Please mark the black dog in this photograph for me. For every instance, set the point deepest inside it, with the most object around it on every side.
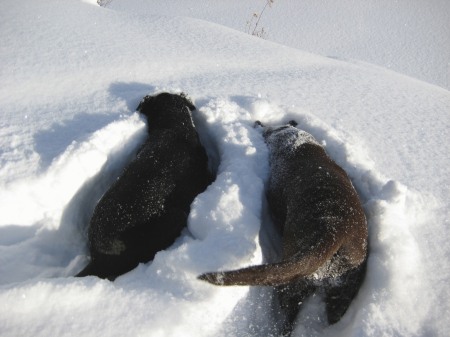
(145, 210)
(323, 227)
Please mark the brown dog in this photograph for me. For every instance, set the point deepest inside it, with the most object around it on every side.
(324, 229)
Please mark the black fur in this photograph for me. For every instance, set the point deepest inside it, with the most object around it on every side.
(145, 210)
(323, 226)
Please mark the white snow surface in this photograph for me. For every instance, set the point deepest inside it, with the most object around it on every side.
(72, 74)
(408, 36)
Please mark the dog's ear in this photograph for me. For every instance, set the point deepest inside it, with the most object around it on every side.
(188, 101)
(146, 100)
(293, 123)
(258, 124)
(191, 106)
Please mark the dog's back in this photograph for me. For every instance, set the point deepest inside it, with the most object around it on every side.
(145, 210)
(323, 227)
(312, 198)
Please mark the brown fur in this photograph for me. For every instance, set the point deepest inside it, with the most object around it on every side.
(323, 226)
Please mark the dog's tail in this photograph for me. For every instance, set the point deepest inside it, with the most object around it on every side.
(297, 267)
(266, 274)
(269, 274)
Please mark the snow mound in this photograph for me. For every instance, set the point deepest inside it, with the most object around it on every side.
(42, 247)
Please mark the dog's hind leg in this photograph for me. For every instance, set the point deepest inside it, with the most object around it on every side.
(291, 298)
(338, 297)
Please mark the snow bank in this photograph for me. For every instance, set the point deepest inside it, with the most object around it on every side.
(50, 211)
(224, 233)
(409, 37)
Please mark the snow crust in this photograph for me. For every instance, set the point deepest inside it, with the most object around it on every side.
(72, 75)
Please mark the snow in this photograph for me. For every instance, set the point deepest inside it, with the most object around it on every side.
(410, 37)
(72, 75)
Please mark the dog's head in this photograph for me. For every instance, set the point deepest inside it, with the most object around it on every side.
(166, 110)
(269, 130)
(285, 138)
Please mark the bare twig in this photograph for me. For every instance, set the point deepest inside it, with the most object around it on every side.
(260, 33)
(268, 3)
